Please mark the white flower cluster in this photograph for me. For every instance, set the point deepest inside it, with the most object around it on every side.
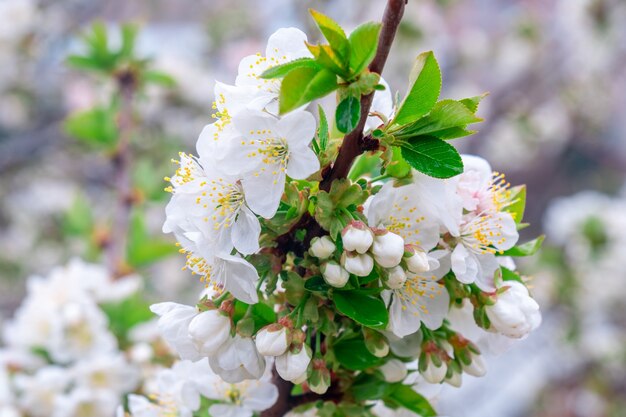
(60, 358)
(243, 160)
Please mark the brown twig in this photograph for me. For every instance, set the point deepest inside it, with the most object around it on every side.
(354, 144)
(116, 244)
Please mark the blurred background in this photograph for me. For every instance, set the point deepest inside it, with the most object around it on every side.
(555, 120)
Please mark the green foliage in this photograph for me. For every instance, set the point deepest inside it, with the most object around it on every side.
(526, 249)
(126, 314)
(363, 42)
(348, 114)
(322, 131)
(333, 33)
(78, 220)
(424, 88)
(261, 313)
(280, 71)
(517, 203)
(294, 287)
(448, 119)
(509, 275)
(433, 157)
(353, 355)
(365, 309)
(305, 84)
(405, 396)
(143, 248)
(97, 126)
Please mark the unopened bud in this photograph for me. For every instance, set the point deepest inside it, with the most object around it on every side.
(209, 330)
(291, 366)
(334, 274)
(319, 379)
(416, 260)
(272, 340)
(322, 247)
(393, 370)
(396, 278)
(388, 248)
(356, 236)
(357, 264)
(376, 343)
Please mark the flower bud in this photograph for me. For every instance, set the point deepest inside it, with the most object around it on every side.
(334, 274)
(388, 248)
(319, 380)
(416, 260)
(455, 379)
(434, 373)
(357, 264)
(376, 343)
(322, 247)
(476, 367)
(209, 330)
(396, 278)
(356, 236)
(272, 340)
(515, 313)
(290, 366)
(393, 370)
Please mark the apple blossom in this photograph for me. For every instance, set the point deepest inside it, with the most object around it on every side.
(356, 236)
(358, 264)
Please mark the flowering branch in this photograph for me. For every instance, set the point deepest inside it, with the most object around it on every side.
(121, 160)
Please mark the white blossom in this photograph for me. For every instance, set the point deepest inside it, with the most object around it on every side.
(334, 274)
(358, 264)
(322, 247)
(238, 359)
(393, 370)
(209, 330)
(356, 236)
(290, 366)
(272, 340)
(515, 313)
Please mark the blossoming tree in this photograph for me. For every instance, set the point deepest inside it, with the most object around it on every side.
(349, 260)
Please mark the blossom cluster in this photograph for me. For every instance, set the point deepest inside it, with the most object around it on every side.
(60, 358)
(401, 271)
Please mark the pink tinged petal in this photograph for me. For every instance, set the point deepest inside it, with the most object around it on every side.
(472, 163)
(261, 396)
(302, 165)
(246, 231)
(263, 192)
(298, 128)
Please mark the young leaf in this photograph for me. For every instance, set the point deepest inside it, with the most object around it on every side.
(363, 44)
(303, 85)
(364, 309)
(518, 203)
(322, 131)
(472, 102)
(327, 58)
(279, 71)
(406, 397)
(347, 114)
(333, 33)
(444, 116)
(95, 126)
(433, 157)
(424, 89)
(526, 249)
(353, 355)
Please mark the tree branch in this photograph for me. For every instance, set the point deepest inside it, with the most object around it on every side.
(116, 244)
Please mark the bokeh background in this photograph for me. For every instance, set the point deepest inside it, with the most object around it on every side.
(555, 120)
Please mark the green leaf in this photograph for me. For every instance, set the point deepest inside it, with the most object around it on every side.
(322, 130)
(353, 355)
(433, 157)
(316, 284)
(424, 89)
(333, 33)
(517, 203)
(365, 309)
(158, 78)
(129, 35)
(397, 166)
(142, 248)
(405, 396)
(509, 275)
(279, 71)
(78, 220)
(369, 387)
(347, 114)
(526, 249)
(327, 58)
(472, 102)
(303, 85)
(124, 315)
(294, 287)
(261, 313)
(363, 44)
(96, 126)
(445, 115)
